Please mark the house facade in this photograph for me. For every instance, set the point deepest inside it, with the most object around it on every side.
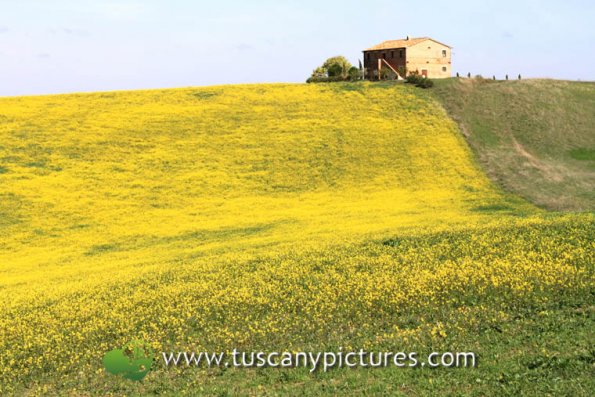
(425, 55)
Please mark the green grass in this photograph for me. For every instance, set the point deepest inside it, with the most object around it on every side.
(534, 137)
(583, 154)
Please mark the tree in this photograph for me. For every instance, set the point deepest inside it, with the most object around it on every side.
(354, 73)
(333, 69)
(339, 64)
(319, 72)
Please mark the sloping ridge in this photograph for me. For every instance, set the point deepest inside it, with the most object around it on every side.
(536, 138)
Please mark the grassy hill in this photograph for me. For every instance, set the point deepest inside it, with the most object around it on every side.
(276, 218)
(534, 137)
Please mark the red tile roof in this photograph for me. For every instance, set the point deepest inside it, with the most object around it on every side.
(402, 43)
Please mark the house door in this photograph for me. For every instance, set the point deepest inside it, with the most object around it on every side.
(424, 72)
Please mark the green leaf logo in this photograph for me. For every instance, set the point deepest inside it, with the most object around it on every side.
(132, 361)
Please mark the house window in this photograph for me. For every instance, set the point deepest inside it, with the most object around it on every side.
(444, 53)
(400, 53)
(392, 54)
(368, 56)
(444, 68)
(384, 55)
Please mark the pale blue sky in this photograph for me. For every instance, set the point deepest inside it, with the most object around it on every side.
(65, 46)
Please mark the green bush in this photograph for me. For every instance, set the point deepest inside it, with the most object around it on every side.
(402, 71)
(335, 70)
(324, 79)
(413, 78)
(419, 80)
(425, 83)
(319, 72)
(354, 73)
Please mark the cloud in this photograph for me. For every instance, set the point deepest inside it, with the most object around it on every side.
(43, 55)
(243, 47)
(75, 32)
(122, 10)
(69, 31)
(3, 29)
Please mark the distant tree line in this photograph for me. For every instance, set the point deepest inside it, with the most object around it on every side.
(479, 76)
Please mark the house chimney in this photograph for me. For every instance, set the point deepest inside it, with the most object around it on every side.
(407, 38)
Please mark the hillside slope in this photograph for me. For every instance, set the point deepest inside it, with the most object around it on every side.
(275, 218)
(117, 172)
(535, 138)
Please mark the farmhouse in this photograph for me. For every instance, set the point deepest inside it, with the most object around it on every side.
(425, 55)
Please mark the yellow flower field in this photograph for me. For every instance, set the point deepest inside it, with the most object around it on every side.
(259, 217)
